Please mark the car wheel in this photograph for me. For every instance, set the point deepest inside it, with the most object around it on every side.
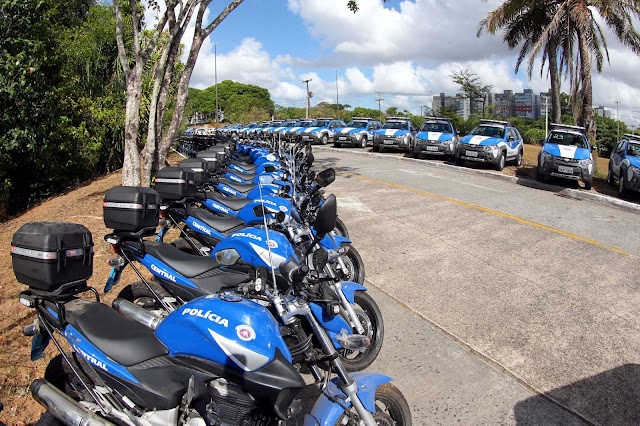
(539, 175)
(459, 162)
(518, 160)
(622, 190)
(381, 148)
(376, 148)
(610, 178)
(363, 142)
(588, 184)
(337, 145)
(324, 140)
(416, 154)
(501, 162)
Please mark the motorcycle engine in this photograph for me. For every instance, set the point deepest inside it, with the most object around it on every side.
(229, 405)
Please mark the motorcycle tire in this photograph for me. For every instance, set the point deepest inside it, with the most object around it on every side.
(138, 294)
(371, 318)
(392, 407)
(354, 264)
(341, 228)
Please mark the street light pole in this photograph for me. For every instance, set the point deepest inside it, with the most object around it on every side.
(308, 98)
(379, 99)
(215, 76)
(546, 116)
(337, 89)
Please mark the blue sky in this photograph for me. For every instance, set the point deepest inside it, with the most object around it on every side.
(405, 49)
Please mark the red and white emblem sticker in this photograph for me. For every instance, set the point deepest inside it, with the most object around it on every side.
(273, 244)
(245, 332)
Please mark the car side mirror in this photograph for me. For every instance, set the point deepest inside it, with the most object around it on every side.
(594, 147)
(510, 138)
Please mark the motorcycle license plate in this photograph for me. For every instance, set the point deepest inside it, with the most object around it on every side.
(563, 169)
(342, 138)
(388, 142)
(432, 148)
(471, 153)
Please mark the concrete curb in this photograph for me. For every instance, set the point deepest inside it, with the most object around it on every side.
(575, 194)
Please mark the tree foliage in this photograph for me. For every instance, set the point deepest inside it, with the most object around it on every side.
(60, 98)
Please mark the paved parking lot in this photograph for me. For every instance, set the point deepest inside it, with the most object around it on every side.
(538, 290)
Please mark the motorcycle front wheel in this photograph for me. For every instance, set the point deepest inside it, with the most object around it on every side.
(354, 266)
(371, 319)
(392, 408)
(341, 228)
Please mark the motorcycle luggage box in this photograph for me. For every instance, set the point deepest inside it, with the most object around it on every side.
(211, 158)
(46, 255)
(175, 183)
(131, 208)
(199, 167)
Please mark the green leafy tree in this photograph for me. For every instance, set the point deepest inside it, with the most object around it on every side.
(470, 86)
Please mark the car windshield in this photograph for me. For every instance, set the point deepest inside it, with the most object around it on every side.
(357, 124)
(306, 123)
(395, 125)
(320, 123)
(436, 127)
(573, 139)
(491, 131)
(633, 149)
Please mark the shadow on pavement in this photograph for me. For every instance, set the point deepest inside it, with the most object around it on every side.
(608, 398)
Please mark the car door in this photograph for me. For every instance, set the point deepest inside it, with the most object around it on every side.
(616, 158)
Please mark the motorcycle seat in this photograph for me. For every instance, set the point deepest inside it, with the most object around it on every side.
(187, 265)
(240, 187)
(245, 176)
(233, 203)
(125, 341)
(220, 278)
(247, 168)
(220, 224)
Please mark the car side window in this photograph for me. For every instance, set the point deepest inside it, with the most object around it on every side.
(620, 147)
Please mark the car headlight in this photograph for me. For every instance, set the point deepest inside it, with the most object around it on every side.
(546, 156)
(635, 170)
(585, 162)
(317, 134)
(488, 147)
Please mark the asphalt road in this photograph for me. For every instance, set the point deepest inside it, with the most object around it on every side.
(494, 291)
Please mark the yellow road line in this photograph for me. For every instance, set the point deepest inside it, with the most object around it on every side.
(495, 212)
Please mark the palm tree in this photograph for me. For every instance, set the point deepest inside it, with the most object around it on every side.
(524, 23)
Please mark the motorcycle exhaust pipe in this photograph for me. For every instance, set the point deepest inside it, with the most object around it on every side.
(63, 407)
(136, 313)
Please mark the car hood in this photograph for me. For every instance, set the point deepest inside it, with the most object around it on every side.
(480, 140)
(434, 136)
(311, 129)
(634, 161)
(347, 130)
(392, 132)
(567, 151)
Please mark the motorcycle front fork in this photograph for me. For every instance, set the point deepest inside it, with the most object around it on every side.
(346, 305)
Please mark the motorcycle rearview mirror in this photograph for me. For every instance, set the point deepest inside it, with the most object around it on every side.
(265, 179)
(320, 259)
(326, 217)
(310, 159)
(325, 177)
(260, 210)
(269, 169)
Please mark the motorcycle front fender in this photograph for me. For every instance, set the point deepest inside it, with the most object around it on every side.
(332, 242)
(327, 413)
(349, 289)
(332, 325)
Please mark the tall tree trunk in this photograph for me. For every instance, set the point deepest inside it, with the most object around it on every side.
(554, 76)
(131, 166)
(586, 117)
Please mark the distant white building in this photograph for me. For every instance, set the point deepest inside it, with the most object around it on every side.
(603, 111)
(527, 104)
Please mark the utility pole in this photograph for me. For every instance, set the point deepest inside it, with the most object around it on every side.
(215, 74)
(618, 120)
(546, 116)
(308, 97)
(379, 99)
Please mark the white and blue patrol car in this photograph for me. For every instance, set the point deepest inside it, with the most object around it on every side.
(624, 165)
(396, 132)
(359, 132)
(294, 133)
(437, 136)
(321, 130)
(566, 154)
(491, 141)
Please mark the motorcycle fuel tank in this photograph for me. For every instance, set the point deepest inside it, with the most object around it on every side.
(231, 331)
(251, 244)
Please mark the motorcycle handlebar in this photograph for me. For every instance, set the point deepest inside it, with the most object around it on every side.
(294, 272)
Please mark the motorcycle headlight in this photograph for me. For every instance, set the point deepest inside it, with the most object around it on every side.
(227, 257)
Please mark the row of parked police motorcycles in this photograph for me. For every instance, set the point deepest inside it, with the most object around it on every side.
(256, 313)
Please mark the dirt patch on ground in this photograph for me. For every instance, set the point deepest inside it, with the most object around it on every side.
(17, 371)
